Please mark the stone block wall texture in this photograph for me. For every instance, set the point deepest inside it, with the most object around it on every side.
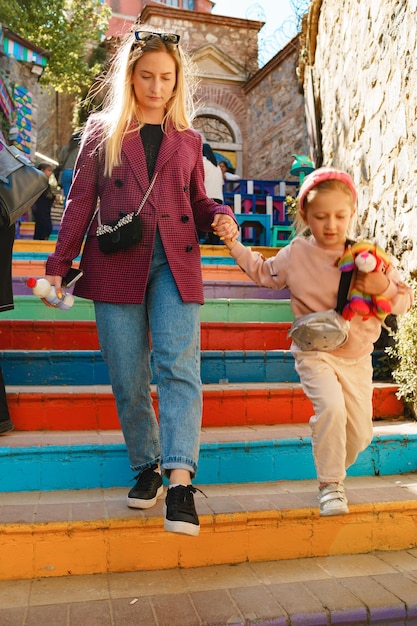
(235, 37)
(276, 124)
(365, 76)
(54, 122)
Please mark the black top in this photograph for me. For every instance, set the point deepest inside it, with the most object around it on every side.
(151, 135)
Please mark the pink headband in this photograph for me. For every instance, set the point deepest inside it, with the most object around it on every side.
(320, 175)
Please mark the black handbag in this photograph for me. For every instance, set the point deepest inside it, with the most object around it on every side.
(124, 232)
(21, 184)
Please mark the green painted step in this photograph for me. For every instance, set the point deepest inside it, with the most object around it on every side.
(214, 310)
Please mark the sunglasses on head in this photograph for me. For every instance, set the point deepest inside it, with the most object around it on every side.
(145, 35)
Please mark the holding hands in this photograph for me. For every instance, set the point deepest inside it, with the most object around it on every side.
(226, 228)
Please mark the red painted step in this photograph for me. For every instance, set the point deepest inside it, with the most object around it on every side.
(82, 335)
(244, 404)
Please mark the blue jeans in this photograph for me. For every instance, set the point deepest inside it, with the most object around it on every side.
(174, 326)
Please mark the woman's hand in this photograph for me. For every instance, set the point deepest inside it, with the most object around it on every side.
(226, 228)
(55, 281)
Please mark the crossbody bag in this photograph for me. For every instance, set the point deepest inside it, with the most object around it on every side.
(325, 330)
(124, 232)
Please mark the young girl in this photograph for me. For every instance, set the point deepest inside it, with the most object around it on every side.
(338, 383)
(153, 288)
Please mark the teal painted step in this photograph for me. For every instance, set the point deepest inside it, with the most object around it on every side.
(35, 255)
(217, 260)
(87, 367)
(102, 466)
(214, 310)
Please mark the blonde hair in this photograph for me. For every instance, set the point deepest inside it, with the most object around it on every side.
(325, 185)
(119, 104)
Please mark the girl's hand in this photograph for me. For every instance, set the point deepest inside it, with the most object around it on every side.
(225, 227)
(374, 283)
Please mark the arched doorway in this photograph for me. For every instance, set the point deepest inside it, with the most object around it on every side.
(223, 135)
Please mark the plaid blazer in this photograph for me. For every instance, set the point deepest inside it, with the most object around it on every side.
(177, 205)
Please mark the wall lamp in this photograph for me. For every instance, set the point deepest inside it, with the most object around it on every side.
(37, 70)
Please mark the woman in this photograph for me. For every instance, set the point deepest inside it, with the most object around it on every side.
(41, 210)
(154, 287)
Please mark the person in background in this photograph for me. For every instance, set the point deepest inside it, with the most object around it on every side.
(213, 183)
(153, 290)
(7, 236)
(338, 383)
(41, 210)
(229, 176)
(66, 161)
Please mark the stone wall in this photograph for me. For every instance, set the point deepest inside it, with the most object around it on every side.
(364, 63)
(236, 37)
(276, 125)
(55, 122)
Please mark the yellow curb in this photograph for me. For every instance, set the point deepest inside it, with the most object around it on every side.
(121, 545)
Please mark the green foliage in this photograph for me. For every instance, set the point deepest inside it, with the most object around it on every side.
(69, 30)
(404, 351)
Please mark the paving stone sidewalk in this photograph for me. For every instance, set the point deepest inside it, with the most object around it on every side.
(378, 588)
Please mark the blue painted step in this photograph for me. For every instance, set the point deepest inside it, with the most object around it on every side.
(101, 466)
(86, 367)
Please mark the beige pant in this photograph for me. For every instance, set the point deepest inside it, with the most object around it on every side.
(341, 393)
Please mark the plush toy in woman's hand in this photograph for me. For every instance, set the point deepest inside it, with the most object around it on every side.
(364, 256)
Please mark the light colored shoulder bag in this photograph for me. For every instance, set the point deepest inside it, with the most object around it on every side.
(325, 330)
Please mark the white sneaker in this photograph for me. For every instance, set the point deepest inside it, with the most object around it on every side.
(332, 499)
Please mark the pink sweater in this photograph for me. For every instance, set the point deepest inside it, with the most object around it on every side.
(311, 275)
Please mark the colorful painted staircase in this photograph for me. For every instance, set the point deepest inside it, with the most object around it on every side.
(64, 472)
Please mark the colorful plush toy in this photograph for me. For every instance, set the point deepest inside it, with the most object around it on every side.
(364, 256)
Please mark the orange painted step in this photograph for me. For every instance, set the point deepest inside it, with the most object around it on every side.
(82, 335)
(244, 404)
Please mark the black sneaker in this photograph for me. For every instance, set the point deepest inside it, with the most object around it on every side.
(6, 426)
(147, 490)
(179, 511)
